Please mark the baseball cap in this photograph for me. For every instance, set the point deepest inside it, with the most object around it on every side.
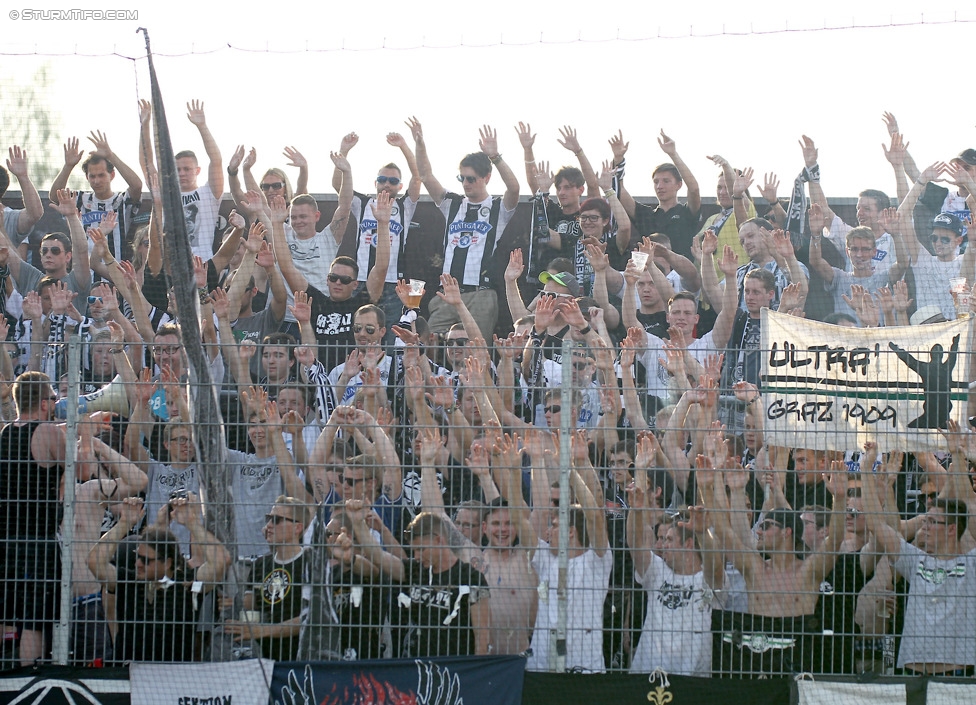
(968, 156)
(566, 279)
(948, 221)
(927, 314)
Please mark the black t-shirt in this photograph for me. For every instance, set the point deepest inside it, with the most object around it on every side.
(332, 321)
(655, 323)
(678, 223)
(278, 595)
(835, 610)
(360, 608)
(162, 630)
(438, 608)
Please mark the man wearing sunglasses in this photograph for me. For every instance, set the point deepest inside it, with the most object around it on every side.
(932, 271)
(389, 180)
(332, 312)
(476, 222)
(62, 257)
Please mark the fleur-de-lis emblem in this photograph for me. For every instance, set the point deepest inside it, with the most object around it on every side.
(660, 695)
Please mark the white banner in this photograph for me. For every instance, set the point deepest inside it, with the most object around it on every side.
(232, 683)
(830, 387)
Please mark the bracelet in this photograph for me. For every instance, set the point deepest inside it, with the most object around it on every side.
(232, 173)
(578, 151)
(609, 192)
(774, 203)
(587, 330)
(530, 161)
(736, 198)
(495, 159)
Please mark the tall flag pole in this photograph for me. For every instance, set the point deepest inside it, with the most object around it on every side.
(206, 419)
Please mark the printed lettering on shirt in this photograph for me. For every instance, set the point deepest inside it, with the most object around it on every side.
(674, 596)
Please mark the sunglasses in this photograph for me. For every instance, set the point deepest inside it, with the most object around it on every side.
(469, 179)
(854, 512)
(275, 519)
(391, 180)
(554, 295)
(590, 218)
(341, 278)
(276, 186)
(554, 409)
(943, 240)
(353, 481)
(54, 250)
(359, 327)
(458, 342)
(770, 524)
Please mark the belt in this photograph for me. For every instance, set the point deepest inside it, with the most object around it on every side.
(86, 599)
(468, 288)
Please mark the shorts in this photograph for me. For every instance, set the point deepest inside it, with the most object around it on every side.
(31, 582)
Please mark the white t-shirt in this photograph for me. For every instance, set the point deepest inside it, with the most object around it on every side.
(677, 631)
(201, 210)
(589, 577)
(940, 615)
(932, 282)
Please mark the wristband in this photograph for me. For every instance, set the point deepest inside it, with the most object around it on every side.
(736, 198)
(587, 330)
(609, 192)
(495, 159)
(231, 173)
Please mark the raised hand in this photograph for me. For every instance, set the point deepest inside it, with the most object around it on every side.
(667, 145)
(515, 266)
(383, 209)
(302, 310)
(729, 263)
(66, 203)
(525, 135)
(234, 163)
(742, 182)
(452, 292)
(340, 161)
(72, 152)
(277, 209)
(145, 111)
(769, 187)
(900, 296)
(100, 140)
(618, 146)
(891, 123)
(220, 303)
(17, 162)
(251, 159)
(605, 180)
(488, 140)
(304, 355)
(897, 151)
(195, 114)
(543, 177)
(809, 150)
(295, 158)
(348, 142)
(416, 129)
(569, 140)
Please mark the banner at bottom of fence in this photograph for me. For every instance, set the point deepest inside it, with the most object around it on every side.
(441, 681)
(234, 683)
(620, 689)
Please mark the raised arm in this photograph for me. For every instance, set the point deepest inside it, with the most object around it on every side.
(204, 546)
(434, 188)
(215, 172)
(512, 294)
(33, 208)
(722, 329)
(395, 139)
(570, 142)
(816, 260)
(297, 160)
(488, 143)
(810, 156)
(377, 275)
(295, 280)
(72, 156)
(668, 146)
(348, 142)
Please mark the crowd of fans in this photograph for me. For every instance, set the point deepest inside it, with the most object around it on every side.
(406, 466)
